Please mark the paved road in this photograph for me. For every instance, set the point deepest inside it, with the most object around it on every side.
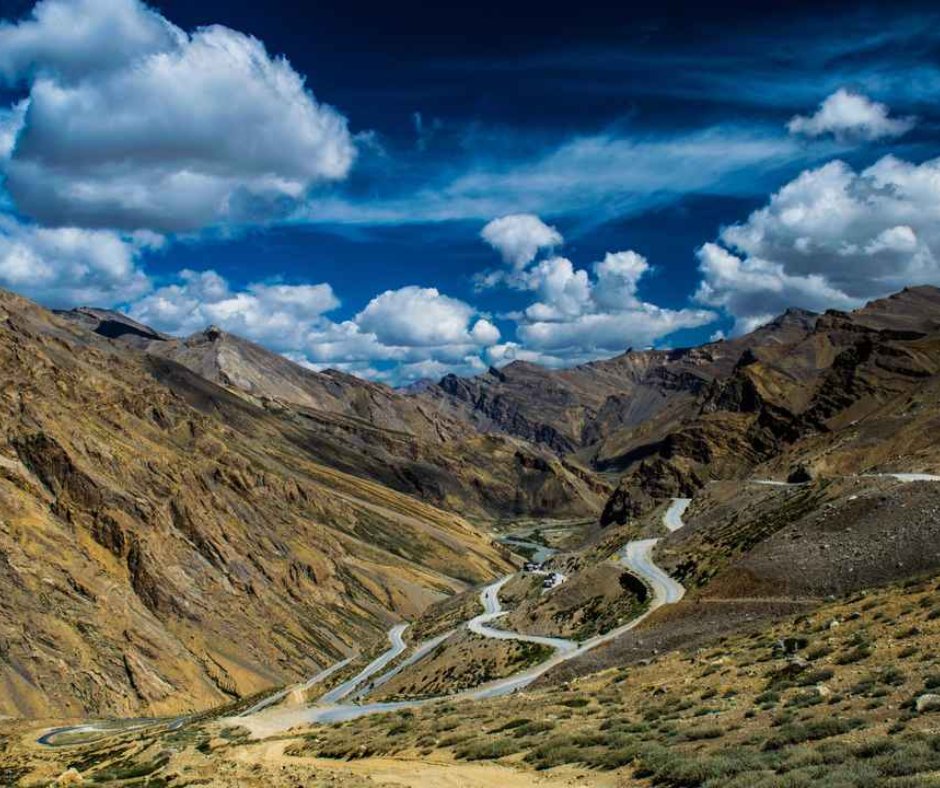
(908, 477)
(323, 675)
(672, 519)
(492, 609)
(398, 646)
(635, 556)
(419, 653)
(263, 720)
(901, 477)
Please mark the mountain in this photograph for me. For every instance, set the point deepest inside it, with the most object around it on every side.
(851, 394)
(168, 545)
(170, 542)
(663, 422)
(574, 411)
(370, 430)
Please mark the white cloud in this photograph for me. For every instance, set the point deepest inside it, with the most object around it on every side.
(416, 316)
(484, 332)
(11, 123)
(71, 39)
(65, 266)
(575, 317)
(421, 331)
(755, 290)
(617, 278)
(132, 123)
(604, 333)
(848, 115)
(518, 238)
(562, 291)
(415, 332)
(277, 315)
(829, 238)
(507, 352)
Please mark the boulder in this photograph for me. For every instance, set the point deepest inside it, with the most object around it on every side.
(790, 645)
(70, 777)
(800, 475)
(927, 702)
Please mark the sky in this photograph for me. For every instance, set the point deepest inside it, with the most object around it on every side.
(402, 191)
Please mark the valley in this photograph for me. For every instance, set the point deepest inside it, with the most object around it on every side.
(774, 483)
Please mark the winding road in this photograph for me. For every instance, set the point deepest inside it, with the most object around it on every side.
(635, 556)
(264, 719)
(320, 677)
(398, 646)
(492, 609)
(672, 519)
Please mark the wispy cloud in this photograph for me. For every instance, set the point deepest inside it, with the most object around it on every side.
(593, 177)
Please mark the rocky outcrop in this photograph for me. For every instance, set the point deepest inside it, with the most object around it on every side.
(367, 428)
(167, 544)
(841, 368)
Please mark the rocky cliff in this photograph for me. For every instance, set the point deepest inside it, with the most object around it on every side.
(167, 545)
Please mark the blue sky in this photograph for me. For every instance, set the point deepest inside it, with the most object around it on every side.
(319, 179)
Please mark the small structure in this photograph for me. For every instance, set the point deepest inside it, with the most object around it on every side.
(553, 579)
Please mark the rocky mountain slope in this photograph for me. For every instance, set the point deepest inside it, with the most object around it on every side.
(167, 545)
(585, 409)
(370, 430)
(855, 393)
(661, 423)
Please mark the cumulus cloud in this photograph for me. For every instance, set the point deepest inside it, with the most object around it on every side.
(848, 115)
(422, 332)
(562, 291)
(66, 266)
(416, 316)
(414, 331)
(276, 315)
(604, 333)
(575, 317)
(518, 238)
(832, 237)
(618, 275)
(133, 123)
(484, 332)
(74, 38)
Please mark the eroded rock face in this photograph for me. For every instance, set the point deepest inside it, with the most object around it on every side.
(166, 545)
(572, 409)
(368, 429)
(813, 385)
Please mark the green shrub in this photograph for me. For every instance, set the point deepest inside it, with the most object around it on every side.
(516, 723)
(857, 654)
(700, 734)
(490, 749)
(818, 652)
(533, 728)
(815, 677)
(804, 699)
(797, 733)
(576, 703)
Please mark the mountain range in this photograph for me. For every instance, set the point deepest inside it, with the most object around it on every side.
(184, 521)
